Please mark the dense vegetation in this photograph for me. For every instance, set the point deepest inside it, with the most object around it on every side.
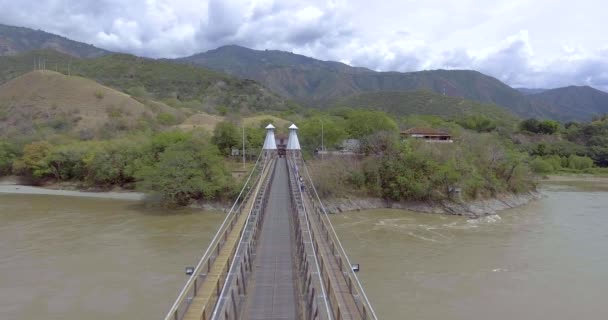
(573, 147)
(476, 165)
(493, 153)
(177, 167)
(180, 167)
(428, 103)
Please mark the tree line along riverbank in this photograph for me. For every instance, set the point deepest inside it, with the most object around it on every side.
(488, 159)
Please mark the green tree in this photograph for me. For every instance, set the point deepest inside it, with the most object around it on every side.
(321, 129)
(67, 162)
(225, 136)
(579, 163)
(166, 119)
(479, 123)
(361, 123)
(254, 140)
(32, 163)
(530, 125)
(535, 126)
(541, 166)
(184, 172)
(548, 126)
(7, 155)
(113, 162)
(446, 177)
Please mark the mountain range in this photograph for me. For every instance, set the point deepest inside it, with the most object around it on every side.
(15, 40)
(311, 82)
(314, 82)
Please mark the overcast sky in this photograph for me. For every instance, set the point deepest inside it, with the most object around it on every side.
(534, 43)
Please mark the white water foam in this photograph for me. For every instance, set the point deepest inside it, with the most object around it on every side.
(485, 220)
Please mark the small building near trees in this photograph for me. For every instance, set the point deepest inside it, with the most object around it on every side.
(428, 134)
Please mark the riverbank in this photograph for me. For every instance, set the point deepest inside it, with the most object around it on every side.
(597, 179)
(473, 209)
(11, 185)
(476, 208)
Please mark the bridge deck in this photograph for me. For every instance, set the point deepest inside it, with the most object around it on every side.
(272, 293)
(342, 297)
(206, 295)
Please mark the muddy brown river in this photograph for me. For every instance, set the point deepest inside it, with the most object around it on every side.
(80, 258)
(546, 260)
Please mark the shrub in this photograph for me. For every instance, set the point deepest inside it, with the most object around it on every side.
(32, 164)
(7, 156)
(99, 95)
(139, 92)
(222, 110)
(114, 112)
(479, 123)
(540, 166)
(166, 119)
(579, 163)
(555, 162)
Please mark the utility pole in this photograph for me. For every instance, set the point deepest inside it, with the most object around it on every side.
(243, 146)
(322, 141)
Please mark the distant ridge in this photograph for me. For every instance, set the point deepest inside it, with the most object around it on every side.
(529, 91)
(321, 83)
(16, 40)
(309, 81)
(573, 102)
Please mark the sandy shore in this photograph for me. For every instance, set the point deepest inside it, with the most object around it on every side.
(9, 185)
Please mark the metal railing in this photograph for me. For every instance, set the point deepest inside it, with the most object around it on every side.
(196, 280)
(344, 264)
(235, 285)
(316, 302)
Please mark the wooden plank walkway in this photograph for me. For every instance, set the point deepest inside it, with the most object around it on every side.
(272, 293)
(272, 287)
(335, 282)
(202, 305)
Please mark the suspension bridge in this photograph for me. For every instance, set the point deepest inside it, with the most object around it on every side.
(276, 255)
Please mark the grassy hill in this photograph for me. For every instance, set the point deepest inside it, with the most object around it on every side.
(16, 40)
(424, 102)
(209, 121)
(177, 84)
(42, 103)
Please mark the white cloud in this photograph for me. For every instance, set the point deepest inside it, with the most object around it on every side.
(534, 44)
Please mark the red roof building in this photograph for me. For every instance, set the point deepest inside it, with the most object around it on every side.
(428, 134)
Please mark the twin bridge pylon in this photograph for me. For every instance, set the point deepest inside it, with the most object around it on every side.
(276, 255)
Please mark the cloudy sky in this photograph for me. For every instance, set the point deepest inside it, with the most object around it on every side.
(533, 43)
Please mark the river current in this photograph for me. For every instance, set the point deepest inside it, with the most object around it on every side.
(81, 258)
(545, 260)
